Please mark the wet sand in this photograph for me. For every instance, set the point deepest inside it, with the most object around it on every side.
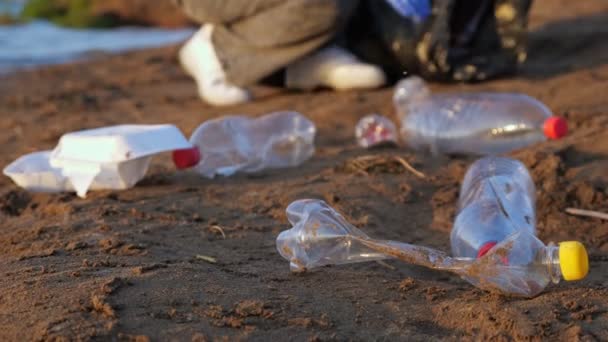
(151, 262)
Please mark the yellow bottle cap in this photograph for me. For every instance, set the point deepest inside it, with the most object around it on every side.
(573, 260)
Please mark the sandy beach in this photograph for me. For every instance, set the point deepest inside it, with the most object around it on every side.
(180, 257)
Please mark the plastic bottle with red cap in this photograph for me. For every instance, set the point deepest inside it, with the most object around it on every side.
(375, 130)
(496, 199)
(496, 224)
(231, 144)
(472, 123)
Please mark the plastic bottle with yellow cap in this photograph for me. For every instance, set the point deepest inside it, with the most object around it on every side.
(522, 265)
(496, 224)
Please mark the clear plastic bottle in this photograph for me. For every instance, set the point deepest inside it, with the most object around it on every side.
(230, 144)
(472, 123)
(519, 264)
(496, 199)
(496, 224)
(375, 129)
(320, 236)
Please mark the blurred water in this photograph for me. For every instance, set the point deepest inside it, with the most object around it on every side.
(40, 42)
(12, 7)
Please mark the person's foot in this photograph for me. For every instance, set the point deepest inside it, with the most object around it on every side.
(199, 60)
(333, 67)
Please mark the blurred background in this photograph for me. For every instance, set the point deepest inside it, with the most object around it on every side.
(37, 32)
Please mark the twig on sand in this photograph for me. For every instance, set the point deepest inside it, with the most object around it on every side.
(409, 167)
(588, 213)
(359, 166)
(366, 164)
(206, 258)
(218, 229)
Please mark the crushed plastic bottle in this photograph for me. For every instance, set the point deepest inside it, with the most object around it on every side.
(472, 123)
(374, 129)
(114, 157)
(497, 199)
(320, 236)
(231, 144)
(519, 265)
(496, 223)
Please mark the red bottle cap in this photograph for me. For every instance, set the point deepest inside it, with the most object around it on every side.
(555, 127)
(186, 158)
(485, 248)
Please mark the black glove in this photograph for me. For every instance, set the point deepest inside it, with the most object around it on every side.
(462, 40)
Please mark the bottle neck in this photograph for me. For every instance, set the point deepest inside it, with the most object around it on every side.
(551, 260)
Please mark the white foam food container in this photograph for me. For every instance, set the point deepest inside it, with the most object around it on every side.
(114, 157)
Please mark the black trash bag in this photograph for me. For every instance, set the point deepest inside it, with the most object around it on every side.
(462, 40)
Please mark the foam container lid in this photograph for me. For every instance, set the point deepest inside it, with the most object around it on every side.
(116, 144)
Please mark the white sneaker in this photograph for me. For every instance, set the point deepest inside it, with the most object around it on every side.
(199, 60)
(333, 67)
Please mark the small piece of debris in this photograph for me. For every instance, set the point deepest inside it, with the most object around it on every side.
(387, 164)
(219, 229)
(139, 270)
(206, 258)
(588, 213)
